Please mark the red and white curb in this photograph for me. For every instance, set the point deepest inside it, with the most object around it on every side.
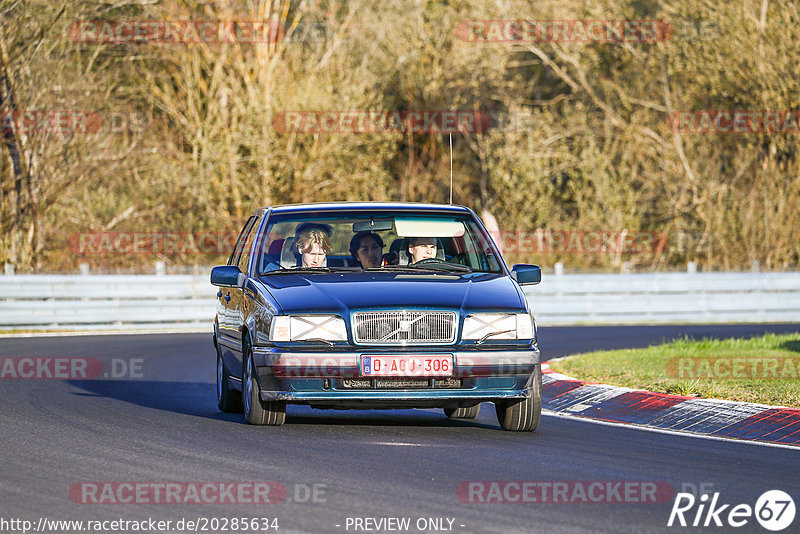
(711, 417)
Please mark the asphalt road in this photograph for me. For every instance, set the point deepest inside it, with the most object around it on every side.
(58, 437)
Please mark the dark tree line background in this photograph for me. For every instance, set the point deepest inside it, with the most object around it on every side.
(580, 137)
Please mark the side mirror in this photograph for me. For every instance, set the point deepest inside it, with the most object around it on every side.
(526, 274)
(227, 276)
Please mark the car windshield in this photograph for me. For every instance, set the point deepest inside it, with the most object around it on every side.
(370, 241)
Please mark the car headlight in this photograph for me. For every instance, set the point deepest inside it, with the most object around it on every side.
(484, 326)
(307, 328)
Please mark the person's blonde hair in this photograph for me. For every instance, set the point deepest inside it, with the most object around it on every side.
(307, 238)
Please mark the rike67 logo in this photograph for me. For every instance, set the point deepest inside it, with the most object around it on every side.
(774, 510)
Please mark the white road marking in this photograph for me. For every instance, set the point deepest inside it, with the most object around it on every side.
(398, 444)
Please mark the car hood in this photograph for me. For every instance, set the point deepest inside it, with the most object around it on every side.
(344, 292)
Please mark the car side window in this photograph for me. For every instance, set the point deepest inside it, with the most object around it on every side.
(237, 250)
(244, 256)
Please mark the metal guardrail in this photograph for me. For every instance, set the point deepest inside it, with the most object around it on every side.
(90, 302)
(187, 301)
(666, 298)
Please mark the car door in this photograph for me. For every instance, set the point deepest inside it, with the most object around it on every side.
(228, 336)
(240, 302)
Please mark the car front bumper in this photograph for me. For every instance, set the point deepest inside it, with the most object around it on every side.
(327, 378)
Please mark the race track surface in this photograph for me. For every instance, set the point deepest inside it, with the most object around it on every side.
(61, 438)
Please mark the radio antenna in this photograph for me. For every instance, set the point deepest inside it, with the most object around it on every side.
(451, 167)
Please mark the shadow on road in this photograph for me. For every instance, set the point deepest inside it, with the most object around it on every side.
(199, 399)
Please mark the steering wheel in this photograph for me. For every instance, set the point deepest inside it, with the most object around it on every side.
(428, 260)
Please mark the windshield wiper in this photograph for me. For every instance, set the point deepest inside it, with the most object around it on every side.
(303, 270)
(391, 268)
(441, 266)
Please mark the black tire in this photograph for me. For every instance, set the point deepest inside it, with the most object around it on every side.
(256, 411)
(228, 400)
(522, 415)
(463, 413)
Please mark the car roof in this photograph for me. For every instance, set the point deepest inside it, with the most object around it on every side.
(369, 206)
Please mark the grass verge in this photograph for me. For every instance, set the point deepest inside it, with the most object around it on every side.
(763, 370)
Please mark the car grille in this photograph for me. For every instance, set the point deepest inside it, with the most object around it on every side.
(405, 327)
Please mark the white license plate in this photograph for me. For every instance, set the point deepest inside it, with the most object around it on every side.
(406, 365)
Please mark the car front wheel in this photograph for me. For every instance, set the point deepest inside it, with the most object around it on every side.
(522, 415)
(256, 411)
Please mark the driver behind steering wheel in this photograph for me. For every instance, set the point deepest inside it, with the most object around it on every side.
(421, 248)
